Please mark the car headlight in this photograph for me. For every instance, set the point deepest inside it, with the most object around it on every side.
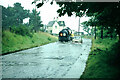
(64, 34)
(61, 34)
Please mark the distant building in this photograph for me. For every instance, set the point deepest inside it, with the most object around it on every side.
(54, 27)
(79, 33)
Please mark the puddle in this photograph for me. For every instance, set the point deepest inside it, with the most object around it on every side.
(54, 58)
(14, 63)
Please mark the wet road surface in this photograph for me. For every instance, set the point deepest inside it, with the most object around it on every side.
(54, 60)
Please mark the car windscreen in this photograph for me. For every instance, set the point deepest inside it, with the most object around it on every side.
(76, 37)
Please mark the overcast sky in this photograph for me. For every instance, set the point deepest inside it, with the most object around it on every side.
(47, 12)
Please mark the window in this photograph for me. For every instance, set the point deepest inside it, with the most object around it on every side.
(61, 22)
(50, 31)
(56, 27)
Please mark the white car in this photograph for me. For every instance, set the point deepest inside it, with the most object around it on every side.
(77, 39)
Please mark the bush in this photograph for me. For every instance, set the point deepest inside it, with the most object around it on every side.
(49, 38)
(21, 30)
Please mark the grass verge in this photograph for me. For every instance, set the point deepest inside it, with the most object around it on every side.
(104, 60)
(13, 42)
(87, 37)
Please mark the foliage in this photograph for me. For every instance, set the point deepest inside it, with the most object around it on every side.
(13, 16)
(86, 27)
(107, 33)
(21, 30)
(19, 13)
(35, 20)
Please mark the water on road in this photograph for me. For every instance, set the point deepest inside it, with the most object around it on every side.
(54, 60)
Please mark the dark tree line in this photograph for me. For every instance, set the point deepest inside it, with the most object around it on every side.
(105, 15)
(12, 19)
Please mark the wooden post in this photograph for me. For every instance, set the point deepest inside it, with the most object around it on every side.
(101, 32)
(95, 32)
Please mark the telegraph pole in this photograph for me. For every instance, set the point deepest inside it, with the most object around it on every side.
(79, 27)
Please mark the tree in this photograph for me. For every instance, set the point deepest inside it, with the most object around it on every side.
(4, 18)
(35, 20)
(13, 15)
(20, 13)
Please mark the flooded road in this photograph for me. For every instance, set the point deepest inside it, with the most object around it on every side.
(54, 60)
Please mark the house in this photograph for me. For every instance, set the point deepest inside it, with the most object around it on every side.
(54, 27)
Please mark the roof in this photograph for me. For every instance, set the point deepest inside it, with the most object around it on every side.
(60, 23)
(50, 23)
